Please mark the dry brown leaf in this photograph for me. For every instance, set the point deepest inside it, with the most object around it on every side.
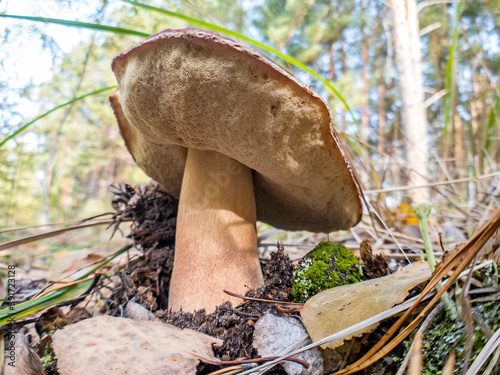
(80, 264)
(116, 346)
(341, 307)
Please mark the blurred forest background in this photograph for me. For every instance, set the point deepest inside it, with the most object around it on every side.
(61, 167)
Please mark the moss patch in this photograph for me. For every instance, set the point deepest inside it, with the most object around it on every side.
(327, 266)
(445, 334)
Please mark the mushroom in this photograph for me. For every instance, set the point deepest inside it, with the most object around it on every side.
(237, 139)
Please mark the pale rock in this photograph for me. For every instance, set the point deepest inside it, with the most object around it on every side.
(273, 336)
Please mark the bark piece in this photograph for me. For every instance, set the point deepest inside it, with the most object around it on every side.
(373, 266)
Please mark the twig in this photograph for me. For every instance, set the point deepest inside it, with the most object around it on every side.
(449, 182)
(257, 360)
(37, 237)
(450, 364)
(416, 360)
(493, 362)
(263, 300)
(488, 349)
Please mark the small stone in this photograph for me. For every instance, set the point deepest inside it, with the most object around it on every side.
(274, 336)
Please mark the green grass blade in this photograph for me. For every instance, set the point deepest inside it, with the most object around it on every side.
(118, 253)
(27, 308)
(83, 25)
(24, 309)
(449, 83)
(222, 30)
(26, 126)
(492, 126)
(194, 21)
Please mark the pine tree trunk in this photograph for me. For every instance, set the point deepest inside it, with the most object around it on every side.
(365, 121)
(382, 115)
(414, 118)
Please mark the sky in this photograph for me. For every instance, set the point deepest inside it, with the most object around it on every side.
(27, 59)
(23, 58)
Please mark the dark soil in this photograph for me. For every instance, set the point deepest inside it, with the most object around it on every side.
(153, 213)
(235, 326)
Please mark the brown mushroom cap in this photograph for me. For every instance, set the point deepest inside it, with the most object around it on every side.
(188, 88)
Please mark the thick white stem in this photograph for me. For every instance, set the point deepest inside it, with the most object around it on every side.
(216, 240)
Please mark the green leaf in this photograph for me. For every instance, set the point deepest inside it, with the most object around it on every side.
(26, 126)
(82, 25)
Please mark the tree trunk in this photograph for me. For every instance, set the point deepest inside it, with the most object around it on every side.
(382, 115)
(414, 118)
(365, 121)
(458, 154)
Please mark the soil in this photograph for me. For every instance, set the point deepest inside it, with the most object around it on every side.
(153, 213)
(146, 280)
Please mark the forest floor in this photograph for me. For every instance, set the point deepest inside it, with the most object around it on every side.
(138, 288)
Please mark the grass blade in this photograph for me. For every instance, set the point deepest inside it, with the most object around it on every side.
(449, 83)
(25, 126)
(222, 30)
(492, 125)
(24, 309)
(53, 233)
(21, 310)
(104, 262)
(82, 25)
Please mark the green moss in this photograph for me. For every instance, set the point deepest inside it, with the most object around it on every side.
(327, 266)
(445, 334)
(49, 360)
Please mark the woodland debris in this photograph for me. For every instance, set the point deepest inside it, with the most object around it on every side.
(373, 266)
(54, 318)
(153, 213)
(235, 325)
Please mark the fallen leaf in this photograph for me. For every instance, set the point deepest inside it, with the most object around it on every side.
(20, 358)
(338, 308)
(112, 346)
(65, 262)
(79, 264)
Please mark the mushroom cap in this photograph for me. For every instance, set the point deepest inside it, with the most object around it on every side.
(189, 88)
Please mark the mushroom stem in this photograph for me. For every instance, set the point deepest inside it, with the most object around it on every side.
(216, 240)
